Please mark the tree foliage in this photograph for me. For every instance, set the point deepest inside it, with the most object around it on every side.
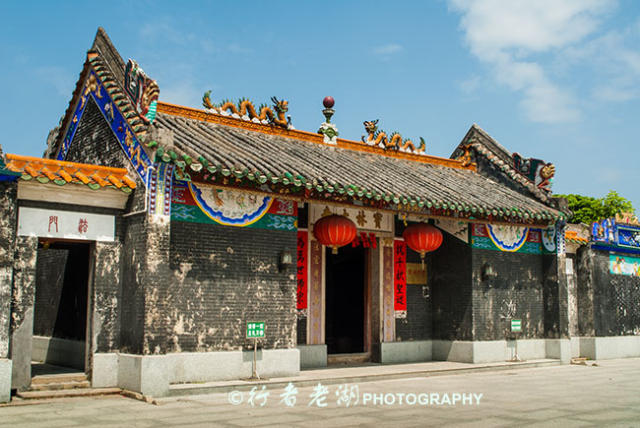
(587, 209)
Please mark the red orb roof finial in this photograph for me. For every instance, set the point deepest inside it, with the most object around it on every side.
(328, 102)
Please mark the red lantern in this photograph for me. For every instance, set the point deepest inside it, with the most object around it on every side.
(334, 231)
(422, 238)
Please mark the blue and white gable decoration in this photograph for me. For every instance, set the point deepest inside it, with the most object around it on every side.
(508, 238)
(230, 207)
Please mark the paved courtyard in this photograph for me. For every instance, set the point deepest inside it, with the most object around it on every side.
(563, 396)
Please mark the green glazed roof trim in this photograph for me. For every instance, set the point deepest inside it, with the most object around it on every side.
(286, 179)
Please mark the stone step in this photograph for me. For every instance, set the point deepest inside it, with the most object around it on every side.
(58, 378)
(59, 386)
(328, 376)
(82, 392)
(337, 359)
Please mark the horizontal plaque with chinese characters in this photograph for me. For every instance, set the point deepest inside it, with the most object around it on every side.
(364, 219)
(47, 223)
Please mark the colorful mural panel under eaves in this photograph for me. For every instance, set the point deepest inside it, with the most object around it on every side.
(624, 265)
(196, 203)
(514, 239)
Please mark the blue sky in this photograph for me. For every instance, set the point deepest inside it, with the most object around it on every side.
(553, 79)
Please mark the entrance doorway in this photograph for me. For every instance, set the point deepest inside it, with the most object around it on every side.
(345, 290)
(60, 309)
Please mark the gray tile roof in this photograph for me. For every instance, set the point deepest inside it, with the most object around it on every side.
(485, 145)
(231, 150)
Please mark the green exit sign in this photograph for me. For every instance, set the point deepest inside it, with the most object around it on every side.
(255, 329)
(516, 326)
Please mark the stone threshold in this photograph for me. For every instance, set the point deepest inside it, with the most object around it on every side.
(368, 373)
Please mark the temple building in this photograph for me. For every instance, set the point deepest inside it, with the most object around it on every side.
(155, 245)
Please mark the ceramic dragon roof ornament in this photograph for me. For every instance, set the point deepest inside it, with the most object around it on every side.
(142, 90)
(245, 110)
(534, 174)
(536, 170)
(393, 142)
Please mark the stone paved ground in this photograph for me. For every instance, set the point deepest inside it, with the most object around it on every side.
(562, 396)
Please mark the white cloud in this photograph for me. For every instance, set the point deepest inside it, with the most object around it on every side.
(237, 49)
(470, 85)
(615, 58)
(388, 49)
(508, 35)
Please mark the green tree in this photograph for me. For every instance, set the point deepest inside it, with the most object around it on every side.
(587, 209)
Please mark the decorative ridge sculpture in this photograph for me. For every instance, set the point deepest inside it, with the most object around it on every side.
(245, 109)
(393, 142)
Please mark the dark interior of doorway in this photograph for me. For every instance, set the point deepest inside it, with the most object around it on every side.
(344, 298)
(60, 312)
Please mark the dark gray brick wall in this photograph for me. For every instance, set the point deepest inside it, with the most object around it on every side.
(417, 324)
(106, 296)
(95, 143)
(608, 305)
(133, 282)
(221, 277)
(451, 290)
(8, 219)
(517, 292)
(301, 331)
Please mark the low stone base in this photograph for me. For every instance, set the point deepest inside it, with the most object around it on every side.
(489, 351)
(152, 374)
(559, 349)
(405, 352)
(5, 380)
(602, 348)
(104, 373)
(228, 365)
(148, 374)
(575, 347)
(312, 356)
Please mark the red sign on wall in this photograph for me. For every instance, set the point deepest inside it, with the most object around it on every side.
(303, 244)
(399, 275)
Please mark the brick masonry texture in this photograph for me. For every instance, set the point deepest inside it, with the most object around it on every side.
(8, 218)
(451, 290)
(301, 331)
(417, 324)
(24, 280)
(94, 143)
(220, 278)
(516, 292)
(133, 275)
(106, 296)
(608, 305)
